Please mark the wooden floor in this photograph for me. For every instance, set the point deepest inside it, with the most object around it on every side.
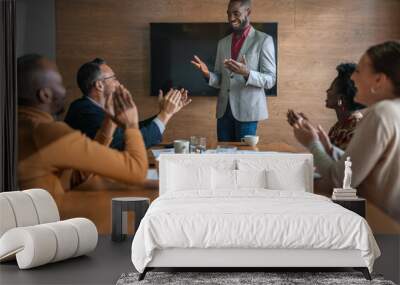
(110, 260)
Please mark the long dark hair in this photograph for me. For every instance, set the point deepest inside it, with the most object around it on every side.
(385, 58)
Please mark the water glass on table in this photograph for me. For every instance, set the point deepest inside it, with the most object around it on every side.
(202, 145)
(198, 144)
(193, 144)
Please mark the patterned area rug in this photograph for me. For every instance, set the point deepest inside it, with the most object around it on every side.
(243, 278)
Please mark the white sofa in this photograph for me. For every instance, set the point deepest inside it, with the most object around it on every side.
(31, 230)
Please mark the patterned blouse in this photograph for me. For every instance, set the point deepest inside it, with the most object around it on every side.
(341, 133)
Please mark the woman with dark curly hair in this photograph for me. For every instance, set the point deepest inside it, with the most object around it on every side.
(375, 146)
(339, 97)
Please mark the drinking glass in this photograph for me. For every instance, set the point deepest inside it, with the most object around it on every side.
(201, 145)
(193, 144)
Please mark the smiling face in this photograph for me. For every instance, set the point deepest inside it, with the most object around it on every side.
(238, 15)
(365, 79)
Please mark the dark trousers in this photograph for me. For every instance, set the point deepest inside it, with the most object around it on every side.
(230, 129)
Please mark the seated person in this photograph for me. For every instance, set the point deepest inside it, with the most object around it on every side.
(339, 97)
(97, 80)
(375, 146)
(47, 149)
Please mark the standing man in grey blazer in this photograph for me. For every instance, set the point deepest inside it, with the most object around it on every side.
(244, 66)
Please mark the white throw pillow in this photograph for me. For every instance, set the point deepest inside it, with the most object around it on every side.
(183, 178)
(251, 178)
(281, 173)
(292, 179)
(231, 180)
(224, 179)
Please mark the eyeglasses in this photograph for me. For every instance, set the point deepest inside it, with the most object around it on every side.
(114, 77)
(109, 77)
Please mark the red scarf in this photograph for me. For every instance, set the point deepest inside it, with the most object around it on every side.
(237, 42)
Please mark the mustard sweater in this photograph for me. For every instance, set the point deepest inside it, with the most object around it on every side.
(47, 148)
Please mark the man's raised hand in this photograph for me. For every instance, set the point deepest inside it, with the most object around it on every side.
(199, 64)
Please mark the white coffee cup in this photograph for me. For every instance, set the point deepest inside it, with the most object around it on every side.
(250, 140)
(181, 146)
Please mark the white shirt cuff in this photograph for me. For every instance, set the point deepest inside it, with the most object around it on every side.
(159, 124)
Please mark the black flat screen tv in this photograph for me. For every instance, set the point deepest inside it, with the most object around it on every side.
(173, 46)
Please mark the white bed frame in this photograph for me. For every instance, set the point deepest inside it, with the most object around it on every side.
(234, 257)
(251, 258)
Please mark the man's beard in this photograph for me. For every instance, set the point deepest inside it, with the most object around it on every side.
(241, 27)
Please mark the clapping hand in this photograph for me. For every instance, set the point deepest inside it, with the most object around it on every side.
(122, 109)
(304, 132)
(238, 67)
(293, 117)
(172, 103)
(185, 100)
(109, 105)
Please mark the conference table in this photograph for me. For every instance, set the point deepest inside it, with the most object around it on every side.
(274, 147)
(92, 199)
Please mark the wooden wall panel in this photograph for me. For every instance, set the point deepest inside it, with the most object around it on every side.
(314, 36)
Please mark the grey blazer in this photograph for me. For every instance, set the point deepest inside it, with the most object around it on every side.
(247, 98)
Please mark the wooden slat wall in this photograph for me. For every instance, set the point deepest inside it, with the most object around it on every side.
(314, 36)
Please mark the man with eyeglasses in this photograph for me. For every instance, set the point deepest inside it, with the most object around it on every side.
(97, 81)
